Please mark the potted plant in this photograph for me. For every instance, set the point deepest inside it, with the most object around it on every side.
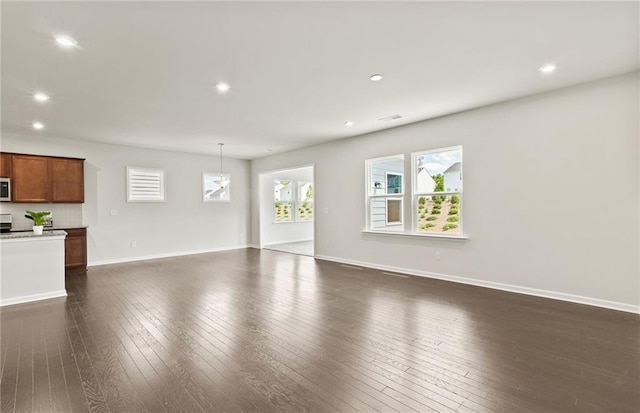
(39, 219)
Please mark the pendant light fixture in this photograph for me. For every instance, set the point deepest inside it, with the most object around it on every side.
(222, 183)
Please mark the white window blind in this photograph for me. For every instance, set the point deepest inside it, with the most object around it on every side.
(145, 185)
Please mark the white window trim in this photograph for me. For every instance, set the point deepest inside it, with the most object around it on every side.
(413, 235)
(216, 174)
(163, 184)
(414, 194)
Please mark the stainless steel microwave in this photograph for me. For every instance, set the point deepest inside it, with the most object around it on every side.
(5, 189)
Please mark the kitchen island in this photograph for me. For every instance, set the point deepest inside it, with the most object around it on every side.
(31, 267)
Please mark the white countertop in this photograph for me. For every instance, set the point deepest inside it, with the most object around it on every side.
(30, 236)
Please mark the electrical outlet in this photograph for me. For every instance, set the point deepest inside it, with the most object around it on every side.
(114, 212)
(134, 244)
(437, 255)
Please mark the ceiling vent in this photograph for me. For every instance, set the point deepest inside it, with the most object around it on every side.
(392, 117)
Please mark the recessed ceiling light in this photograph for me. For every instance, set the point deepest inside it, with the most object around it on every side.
(37, 125)
(222, 87)
(348, 124)
(376, 78)
(66, 42)
(41, 97)
(548, 68)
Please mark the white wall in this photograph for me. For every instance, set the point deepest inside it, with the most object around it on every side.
(181, 225)
(277, 233)
(577, 241)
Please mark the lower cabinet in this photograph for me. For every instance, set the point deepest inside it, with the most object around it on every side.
(75, 248)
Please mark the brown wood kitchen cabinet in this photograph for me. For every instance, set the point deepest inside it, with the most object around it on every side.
(37, 178)
(29, 178)
(67, 180)
(5, 165)
(75, 248)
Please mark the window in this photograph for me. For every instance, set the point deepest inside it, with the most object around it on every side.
(435, 196)
(216, 187)
(385, 190)
(283, 195)
(145, 185)
(394, 183)
(304, 205)
(293, 196)
(438, 191)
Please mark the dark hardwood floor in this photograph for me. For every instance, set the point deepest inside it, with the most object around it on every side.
(262, 331)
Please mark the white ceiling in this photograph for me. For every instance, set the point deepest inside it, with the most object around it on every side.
(144, 73)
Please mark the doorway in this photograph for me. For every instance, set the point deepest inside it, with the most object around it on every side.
(287, 210)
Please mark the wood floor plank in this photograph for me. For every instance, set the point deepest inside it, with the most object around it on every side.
(12, 331)
(41, 377)
(24, 381)
(57, 380)
(7, 328)
(78, 401)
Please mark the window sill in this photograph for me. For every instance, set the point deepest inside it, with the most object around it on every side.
(409, 235)
(291, 222)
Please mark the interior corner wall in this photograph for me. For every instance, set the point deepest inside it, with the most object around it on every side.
(183, 224)
(550, 204)
(277, 233)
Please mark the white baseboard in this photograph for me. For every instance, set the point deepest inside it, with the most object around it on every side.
(287, 242)
(165, 255)
(33, 297)
(596, 302)
(256, 246)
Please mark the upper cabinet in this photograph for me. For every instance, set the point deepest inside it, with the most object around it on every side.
(5, 165)
(29, 178)
(46, 179)
(67, 180)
